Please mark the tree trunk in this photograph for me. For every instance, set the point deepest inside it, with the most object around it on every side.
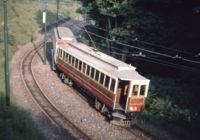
(108, 27)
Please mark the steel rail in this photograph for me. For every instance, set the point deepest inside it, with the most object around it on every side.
(53, 114)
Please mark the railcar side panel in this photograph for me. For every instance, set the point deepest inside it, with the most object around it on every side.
(136, 103)
(88, 84)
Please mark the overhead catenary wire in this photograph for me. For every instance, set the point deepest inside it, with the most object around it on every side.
(143, 57)
(89, 37)
(152, 44)
(145, 50)
(161, 46)
(164, 63)
(157, 61)
(149, 59)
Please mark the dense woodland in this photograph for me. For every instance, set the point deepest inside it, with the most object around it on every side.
(161, 38)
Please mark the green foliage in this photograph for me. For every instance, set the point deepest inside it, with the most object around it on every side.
(165, 110)
(122, 34)
(173, 98)
(25, 19)
(11, 40)
(173, 103)
(112, 8)
(24, 22)
(160, 107)
(84, 40)
(162, 22)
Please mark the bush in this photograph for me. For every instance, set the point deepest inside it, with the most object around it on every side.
(171, 103)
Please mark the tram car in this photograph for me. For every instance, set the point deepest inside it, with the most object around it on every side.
(118, 89)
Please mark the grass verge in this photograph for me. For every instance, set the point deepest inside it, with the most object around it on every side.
(15, 125)
(24, 20)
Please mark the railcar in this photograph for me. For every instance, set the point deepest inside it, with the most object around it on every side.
(118, 89)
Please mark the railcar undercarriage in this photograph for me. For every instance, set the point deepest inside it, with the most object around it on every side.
(116, 117)
(121, 119)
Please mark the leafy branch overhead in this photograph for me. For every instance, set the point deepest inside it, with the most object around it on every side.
(163, 22)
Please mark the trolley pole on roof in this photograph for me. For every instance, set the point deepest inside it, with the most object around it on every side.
(45, 31)
(6, 58)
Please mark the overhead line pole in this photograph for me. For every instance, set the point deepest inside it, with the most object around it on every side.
(57, 17)
(6, 58)
(45, 30)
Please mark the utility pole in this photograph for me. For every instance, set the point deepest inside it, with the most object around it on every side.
(58, 3)
(45, 31)
(6, 58)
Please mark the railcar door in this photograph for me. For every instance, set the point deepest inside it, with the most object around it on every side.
(122, 94)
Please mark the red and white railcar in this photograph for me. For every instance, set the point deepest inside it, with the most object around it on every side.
(119, 90)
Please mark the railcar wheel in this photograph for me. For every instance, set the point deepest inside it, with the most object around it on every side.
(97, 104)
(103, 108)
(109, 115)
(134, 117)
(62, 76)
(65, 80)
(68, 81)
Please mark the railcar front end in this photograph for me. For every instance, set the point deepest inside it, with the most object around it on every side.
(130, 100)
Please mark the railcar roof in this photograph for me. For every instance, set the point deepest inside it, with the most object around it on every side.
(102, 61)
(64, 33)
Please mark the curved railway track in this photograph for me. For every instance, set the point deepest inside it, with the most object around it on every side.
(42, 101)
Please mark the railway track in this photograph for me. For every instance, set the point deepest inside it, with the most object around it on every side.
(42, 101)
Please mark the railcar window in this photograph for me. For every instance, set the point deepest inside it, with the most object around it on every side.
(107, 81)
(97, 75)
(112, 87)
(70, 59)
(80, 65)
(102, 78)
(76, 63)
(92, 72)
(88, 70)
(66, 57)
(142, 90)
(73, 61)
(61, 54)
(135, 90)
(58, 52)
(84, 68)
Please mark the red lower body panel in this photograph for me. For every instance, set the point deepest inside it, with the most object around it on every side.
(83, 83)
